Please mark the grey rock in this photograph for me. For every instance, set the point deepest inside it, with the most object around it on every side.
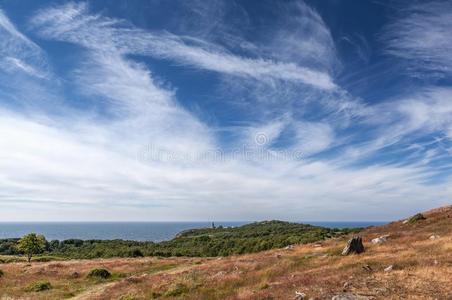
(299, 295)
(354, 245)
(379, 240)
(389, 268)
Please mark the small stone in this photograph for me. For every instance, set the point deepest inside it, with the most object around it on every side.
(367, 268)
(434, 237)
(381, 290)
(300, 295)
(346, 285)
(378, 240)
(389, 268)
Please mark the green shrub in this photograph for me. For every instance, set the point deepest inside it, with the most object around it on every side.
(416, 218)
(99, 273)
(155, 295)
(43, 258)
(39, 286)
(264, 286)
(128, 297)
(177, 290)
(136, 253)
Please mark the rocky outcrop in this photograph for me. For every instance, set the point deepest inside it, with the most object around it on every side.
(354, 245)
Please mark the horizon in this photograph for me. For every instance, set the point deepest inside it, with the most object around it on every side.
(142, 231)
(238, 110)
(198, 221)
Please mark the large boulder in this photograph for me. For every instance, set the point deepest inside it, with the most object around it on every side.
(354, 245)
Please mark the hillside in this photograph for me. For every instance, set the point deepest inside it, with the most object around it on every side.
(420, 253)
(204, 242)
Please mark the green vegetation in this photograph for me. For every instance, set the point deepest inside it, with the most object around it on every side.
(177, 289)
(31, 244)
(206, 242)
(416, 218)
(99, 273)
(128, 297)
(39, 286)
(1, 273)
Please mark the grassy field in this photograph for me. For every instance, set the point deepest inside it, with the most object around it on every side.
(422, 269)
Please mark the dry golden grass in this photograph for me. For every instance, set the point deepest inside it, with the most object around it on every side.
(422, 270)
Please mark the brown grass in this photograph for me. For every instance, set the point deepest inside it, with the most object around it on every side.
(422, 270)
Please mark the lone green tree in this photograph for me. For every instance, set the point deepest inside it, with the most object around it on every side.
(31, 244)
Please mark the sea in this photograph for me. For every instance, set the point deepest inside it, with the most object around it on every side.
(137, 231)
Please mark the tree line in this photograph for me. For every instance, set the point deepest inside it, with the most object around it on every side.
(205, 242)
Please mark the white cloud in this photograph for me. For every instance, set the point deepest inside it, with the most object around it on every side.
(6, 25)
(312, 138)
(303, 38)
(421, 35)
(80, 165)
(429, 110)
(18, 52)
(13, 63)
(72, 22)
(88, 171)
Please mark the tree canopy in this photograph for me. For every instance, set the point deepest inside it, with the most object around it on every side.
(31, 244)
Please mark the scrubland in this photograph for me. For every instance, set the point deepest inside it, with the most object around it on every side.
(420, 254)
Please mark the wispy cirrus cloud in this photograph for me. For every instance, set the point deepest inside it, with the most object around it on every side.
(72, 22)
(143, 156)
(18, 52)
(421, 36)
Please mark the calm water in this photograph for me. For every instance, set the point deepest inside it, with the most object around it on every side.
(142, 231)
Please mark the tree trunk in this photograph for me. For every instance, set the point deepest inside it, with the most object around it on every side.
(29, 257)
(354, 245)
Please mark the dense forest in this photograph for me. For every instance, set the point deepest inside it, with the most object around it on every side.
(205, 242)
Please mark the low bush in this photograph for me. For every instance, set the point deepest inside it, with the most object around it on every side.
(416, 218)
(1, 273)
(128, 297)
(136, 253)
(177, 290)
(39, 286)
(43, 259)
(99, 273)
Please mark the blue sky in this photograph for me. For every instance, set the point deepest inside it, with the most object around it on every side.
(224, 110)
